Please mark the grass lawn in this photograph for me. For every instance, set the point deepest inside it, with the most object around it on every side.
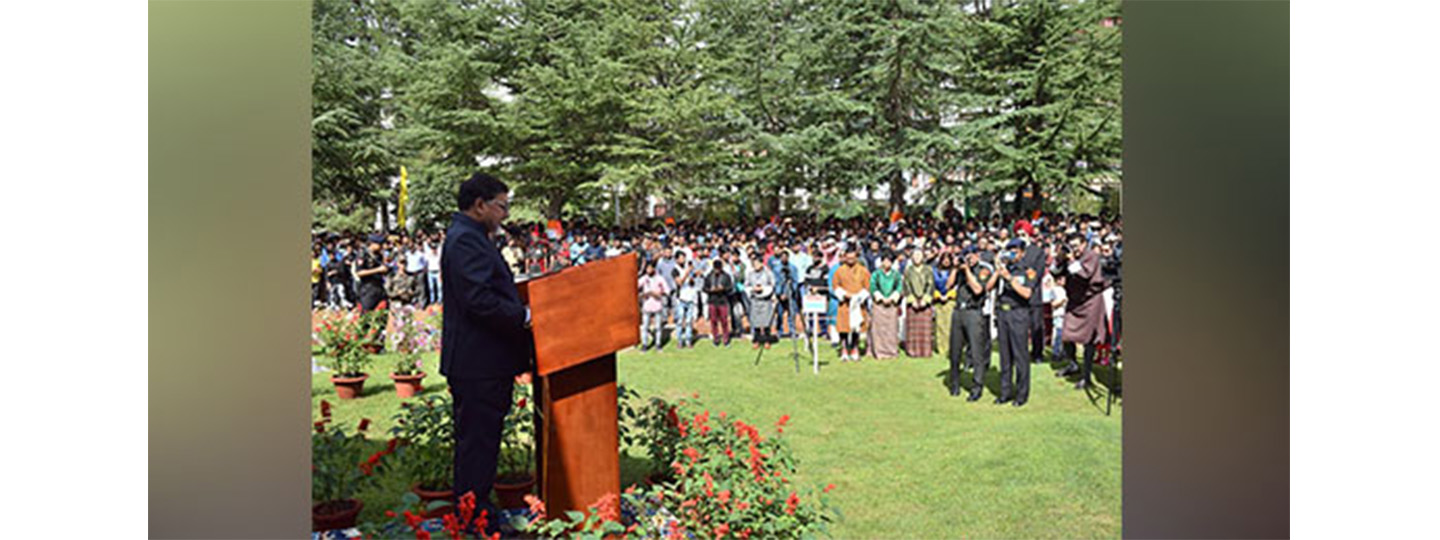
(908, 461)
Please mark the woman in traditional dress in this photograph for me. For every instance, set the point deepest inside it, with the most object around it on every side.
(760, 286)
(919, 316)
(945, 270)
(885, 291)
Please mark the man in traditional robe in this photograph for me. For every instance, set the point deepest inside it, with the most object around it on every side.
(852, 282)
(1085, 310)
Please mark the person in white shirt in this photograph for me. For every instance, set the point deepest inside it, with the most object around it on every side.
(432, 263)
(687, 301)
(415, 267)
(1054, 295)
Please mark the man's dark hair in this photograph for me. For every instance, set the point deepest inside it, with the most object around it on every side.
(481, 187)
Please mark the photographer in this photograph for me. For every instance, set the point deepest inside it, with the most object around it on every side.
(1019, 279)
(970, 327)
(1085, 308)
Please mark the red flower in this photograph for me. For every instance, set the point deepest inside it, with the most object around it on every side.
(783, 420)
(382, 305)
(722, 530)
(791, 503)
(520, 404)
(325, 408)
(537, 506)
(724, 496)
(741, 505)
(607, 507)
(390, 445)
(829, 487)
(692, 453)
(729, 452)
(364, 423)
(320, 426)
(745, 533)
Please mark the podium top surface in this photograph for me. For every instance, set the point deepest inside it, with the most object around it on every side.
(583, 312)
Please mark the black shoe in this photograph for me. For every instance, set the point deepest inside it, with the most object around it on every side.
(1019, 403)
(1082, 384)
(1067, 371)
(973, 397)
(1001, 400)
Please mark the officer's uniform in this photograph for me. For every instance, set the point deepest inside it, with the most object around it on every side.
(372, 287)
(1014, 320)
(970, 331)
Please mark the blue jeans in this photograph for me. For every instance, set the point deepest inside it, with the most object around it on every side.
(434, 290)
(1055, 345)
(650, 328)
(685, 315)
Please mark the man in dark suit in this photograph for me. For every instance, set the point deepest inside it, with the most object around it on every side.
(485, 338)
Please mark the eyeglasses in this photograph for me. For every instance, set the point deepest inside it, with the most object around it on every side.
(503, 205)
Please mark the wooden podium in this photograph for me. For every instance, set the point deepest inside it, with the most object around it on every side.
(580, 317)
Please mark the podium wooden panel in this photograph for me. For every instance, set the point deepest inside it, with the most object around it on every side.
(579, 318)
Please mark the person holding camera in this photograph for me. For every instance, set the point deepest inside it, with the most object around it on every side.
(970, 327)
(1019, 280)
(1085, 308)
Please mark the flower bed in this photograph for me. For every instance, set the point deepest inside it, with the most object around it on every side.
(723, 477)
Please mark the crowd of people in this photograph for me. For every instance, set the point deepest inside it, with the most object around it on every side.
(363, 270)
(1038, 288)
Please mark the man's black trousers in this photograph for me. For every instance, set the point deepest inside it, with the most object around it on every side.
(969, 333)
(1037, 333)
(480, 406)
(1014, 328)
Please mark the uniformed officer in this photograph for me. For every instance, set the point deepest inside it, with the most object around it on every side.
(371, 274)
(970, 327)
(1019, 277)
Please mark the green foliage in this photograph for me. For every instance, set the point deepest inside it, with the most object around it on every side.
(517, 436)
(343, 340)
(582, 105)
(428, 434)
(339, 467)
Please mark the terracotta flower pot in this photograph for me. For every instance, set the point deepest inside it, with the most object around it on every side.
(426, 496)
(512, 491)
(407, 385)
(331, 515)
(349, 387)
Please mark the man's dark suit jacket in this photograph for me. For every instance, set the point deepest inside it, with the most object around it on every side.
(484, 334)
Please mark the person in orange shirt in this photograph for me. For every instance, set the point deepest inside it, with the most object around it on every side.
(852, 281)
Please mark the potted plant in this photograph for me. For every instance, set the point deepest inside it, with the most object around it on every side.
(339, 467)
(427, 437)
(342, 343)
(409, 338)
(515, 477)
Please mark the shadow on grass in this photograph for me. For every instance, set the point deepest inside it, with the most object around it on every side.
(967, 379)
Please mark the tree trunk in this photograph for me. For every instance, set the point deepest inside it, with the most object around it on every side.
(554, 204)
(897, 192)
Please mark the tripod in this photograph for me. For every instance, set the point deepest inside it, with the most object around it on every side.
(794, 355)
